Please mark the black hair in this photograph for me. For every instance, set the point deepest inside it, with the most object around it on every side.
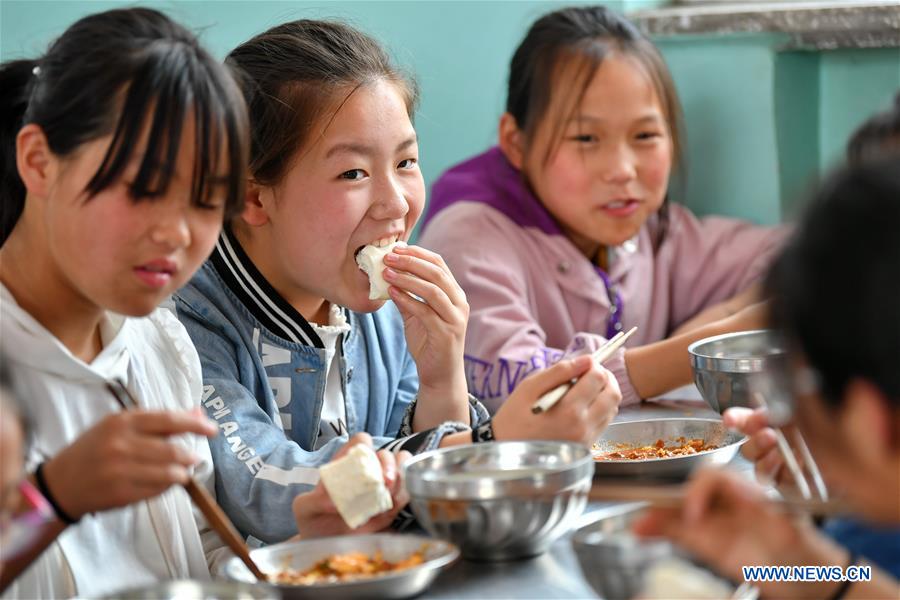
(116, 72)
(878, 135)
(835, 287)
(293, 73)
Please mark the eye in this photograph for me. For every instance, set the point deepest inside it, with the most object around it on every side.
(352, 175)
(584, 138)
(648, 135)
(409, 163)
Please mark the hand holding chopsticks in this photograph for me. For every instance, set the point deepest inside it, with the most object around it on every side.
(204, 501)
(547, 401)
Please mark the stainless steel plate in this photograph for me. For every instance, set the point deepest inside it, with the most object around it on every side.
(304, 554)
(645, 433)
(189, 589)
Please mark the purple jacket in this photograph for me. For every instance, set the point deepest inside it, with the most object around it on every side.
(535, 298)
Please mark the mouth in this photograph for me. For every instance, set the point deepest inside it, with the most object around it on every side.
(622, 207)
(379, 243)
(157, 273)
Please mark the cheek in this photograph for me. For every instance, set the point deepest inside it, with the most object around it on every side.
(415, 196)
(655, 170)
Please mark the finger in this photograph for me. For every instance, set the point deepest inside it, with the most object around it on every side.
(745, 420)
(437, 273)
(171, 423)
(361, 438)
(655, 522)
(588, 387)
(388, 468)
(410, 308)
(707, 488)
(149, 450)
(435, 297)
(422, 253)
(542, 381)
(759, 445)
(155, 475)
(769, 465)
(606, 405)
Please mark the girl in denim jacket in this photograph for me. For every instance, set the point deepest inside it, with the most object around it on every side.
(295, 355)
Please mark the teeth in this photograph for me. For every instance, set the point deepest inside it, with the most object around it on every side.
(384, 241)
(618, 204)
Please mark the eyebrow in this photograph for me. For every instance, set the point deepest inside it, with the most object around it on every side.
(366, 150)
(650, 117)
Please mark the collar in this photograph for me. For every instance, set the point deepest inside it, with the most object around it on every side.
(257, 294)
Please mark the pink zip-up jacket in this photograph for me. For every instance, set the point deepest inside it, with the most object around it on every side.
(534, 298)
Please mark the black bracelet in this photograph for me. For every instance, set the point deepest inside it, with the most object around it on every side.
(845, 585)
(45, 492)
(483, 432)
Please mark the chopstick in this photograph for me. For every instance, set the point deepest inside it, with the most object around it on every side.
(547, 401)
(791, 462)
(673, 496)
(204, 501)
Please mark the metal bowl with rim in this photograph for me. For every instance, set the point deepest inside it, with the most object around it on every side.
(303, 554)
(500, 500)
(725, 366)
(675, 468)
(612, 560)
(190, 589)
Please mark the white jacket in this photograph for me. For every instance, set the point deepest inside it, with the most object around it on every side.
(162, 538)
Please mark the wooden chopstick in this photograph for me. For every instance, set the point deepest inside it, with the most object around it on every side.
(204, 501)
(673, 496)
(546, 402)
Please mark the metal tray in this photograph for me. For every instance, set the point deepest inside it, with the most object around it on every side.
(676, 468)
(303, 554)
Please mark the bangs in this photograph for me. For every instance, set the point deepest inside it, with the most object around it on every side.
(170, 81)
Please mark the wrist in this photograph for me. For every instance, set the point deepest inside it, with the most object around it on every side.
(52, 493)
(483, 432)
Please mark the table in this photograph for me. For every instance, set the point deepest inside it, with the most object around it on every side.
(556, 573)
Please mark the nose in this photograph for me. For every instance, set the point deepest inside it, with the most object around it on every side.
(619, 165)
(390, 201)
(171, 226)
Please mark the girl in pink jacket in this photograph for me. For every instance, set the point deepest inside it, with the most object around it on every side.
(563, 234)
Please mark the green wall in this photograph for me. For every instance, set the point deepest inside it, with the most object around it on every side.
(762, 123)
(765, 123)
(459, 51)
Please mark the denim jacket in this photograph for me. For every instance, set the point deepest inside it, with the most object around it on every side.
(264, 382)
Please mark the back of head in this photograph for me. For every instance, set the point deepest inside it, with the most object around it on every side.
(878, 136)
(295, 74)
(583, 36)
(835, 288)
(117, 73)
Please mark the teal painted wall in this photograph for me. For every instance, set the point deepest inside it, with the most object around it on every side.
(761, 124)
(459, 51)
(764, 124)
(854, 84)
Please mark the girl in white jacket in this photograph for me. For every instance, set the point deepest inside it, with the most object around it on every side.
(123, 149)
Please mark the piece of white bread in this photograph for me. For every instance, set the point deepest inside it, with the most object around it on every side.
(371, 260)
(675, 578)
(355, 484)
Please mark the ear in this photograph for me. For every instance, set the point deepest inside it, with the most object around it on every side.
(866, 422)
(257, 202)
(510, 140)
(35, 161)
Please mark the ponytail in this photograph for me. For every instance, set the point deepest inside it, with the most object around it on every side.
(17, 80)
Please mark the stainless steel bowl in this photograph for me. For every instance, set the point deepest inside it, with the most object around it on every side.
(189, 589)
(303, 554)
(614, 561)
(725, 366)
(646, 433)
(501, 500)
